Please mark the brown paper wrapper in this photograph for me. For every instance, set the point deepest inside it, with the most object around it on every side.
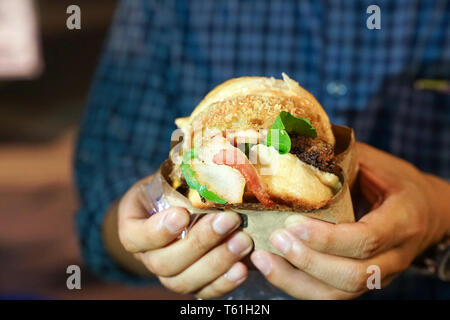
(260, 224)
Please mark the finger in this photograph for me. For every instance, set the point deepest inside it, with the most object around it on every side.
(207, 233)
(211, 266)
(342, 273)
(381, 229)
(293, 281)
(225, 283)
(156, 231)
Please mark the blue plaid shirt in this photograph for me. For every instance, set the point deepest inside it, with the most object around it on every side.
(162, 57)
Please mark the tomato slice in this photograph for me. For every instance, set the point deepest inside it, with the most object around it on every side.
(236, 159)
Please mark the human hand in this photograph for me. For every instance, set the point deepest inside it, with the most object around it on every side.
(205, 263)
(330, 261)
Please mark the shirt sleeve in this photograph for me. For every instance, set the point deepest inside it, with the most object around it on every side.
(125, 133)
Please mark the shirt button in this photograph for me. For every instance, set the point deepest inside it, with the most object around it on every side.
(336, 88)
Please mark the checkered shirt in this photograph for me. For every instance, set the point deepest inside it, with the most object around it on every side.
(162, 57)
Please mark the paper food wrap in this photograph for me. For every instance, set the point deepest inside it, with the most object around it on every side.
(159, 195)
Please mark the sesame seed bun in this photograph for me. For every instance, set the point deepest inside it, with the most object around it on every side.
(254, 103)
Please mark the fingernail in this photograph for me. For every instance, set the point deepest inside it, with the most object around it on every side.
(239, 243)
(281, 241)
(174, 222)
(261, 261)
(295, 220)
(236, 273)
(299, 231)
(224, 222)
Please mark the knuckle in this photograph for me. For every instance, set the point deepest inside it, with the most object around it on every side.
(201, 240)
(199, 243)
(369, 245)
(152, 233)
(304, 258)
(220, 260)
(150, 264)
(151, 240)
(157, 266)
(416, 227)
(127, 243)
(327, 241)
(357, 280)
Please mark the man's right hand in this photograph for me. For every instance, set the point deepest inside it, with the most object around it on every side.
(205, 263)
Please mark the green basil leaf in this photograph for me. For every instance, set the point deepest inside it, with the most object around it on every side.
(285, 123)
(301, 126)
(192, 181)
(279, 139)
(278, 123)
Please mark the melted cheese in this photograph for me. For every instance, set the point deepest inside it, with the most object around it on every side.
(289, 178)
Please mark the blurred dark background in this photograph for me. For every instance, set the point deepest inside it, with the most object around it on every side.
(38, 125)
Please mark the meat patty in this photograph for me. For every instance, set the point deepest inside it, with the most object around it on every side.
(315, 152)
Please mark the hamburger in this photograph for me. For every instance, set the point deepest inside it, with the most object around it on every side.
(256, 143)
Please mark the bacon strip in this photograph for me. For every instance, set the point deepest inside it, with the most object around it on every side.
(236, 159)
